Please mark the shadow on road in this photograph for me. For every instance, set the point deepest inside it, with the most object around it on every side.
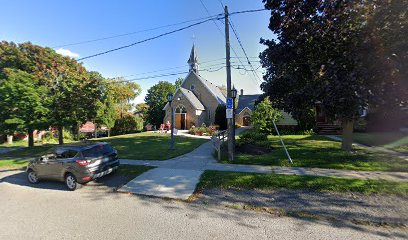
(108, 183)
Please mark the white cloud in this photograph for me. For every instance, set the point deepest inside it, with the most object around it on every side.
(66, 52)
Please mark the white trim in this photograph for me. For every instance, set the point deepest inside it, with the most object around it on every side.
(189, 100)
(205, 85)
(244, 109)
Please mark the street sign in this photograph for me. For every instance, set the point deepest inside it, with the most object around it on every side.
(229, 112)
(229, 103)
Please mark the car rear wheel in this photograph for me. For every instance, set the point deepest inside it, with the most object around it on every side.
(71, 182)
(32, 176)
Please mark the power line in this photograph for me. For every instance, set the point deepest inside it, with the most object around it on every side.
(130, 33)
(238, 67)
(147, 39)
(216, 17)
(222, 33)
(243, 49)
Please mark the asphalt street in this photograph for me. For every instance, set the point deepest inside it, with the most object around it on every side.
(48, 211)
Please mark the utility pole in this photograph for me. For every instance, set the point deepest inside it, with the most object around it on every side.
(230, 121)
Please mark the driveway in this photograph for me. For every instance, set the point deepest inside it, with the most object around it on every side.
(47, 211)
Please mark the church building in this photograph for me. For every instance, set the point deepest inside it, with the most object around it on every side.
(196, 100)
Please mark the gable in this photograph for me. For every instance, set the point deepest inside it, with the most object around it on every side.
(247, 101)
(203, 87)
(189, 96)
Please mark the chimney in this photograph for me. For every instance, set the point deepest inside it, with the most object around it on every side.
(242, 92)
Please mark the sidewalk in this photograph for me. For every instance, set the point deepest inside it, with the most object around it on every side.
(381, 149)
(178, 177)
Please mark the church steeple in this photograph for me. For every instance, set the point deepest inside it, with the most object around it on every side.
(193, 60)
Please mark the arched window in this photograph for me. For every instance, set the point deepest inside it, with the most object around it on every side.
(180, 109)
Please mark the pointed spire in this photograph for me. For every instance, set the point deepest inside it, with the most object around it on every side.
(193, 60)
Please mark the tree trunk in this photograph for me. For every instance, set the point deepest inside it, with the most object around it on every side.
(30, 138)
(96, 130)
(347, 136)
(79, 132)
(109, 132)
(60, 135)
(9, 139)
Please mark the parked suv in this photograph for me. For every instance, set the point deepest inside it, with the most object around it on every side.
(74, 164)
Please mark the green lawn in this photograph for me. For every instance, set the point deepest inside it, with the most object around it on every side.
(19, 143)
(396, 141)
(144, 146)
(225, 180)
(321, 152)
(12, 164)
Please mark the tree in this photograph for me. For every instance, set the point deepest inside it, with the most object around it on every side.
(106, 113)
(141, 110)
(321, 54)
(221, 117)
(73, 92)
(122, 93)
(263, 116)
(24, 104)
(156, 99)
(178, 82)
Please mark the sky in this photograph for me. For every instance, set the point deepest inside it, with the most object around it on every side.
(75, 28)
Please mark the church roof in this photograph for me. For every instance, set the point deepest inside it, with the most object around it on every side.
(215, 91)
(195, 102)
(247, 101)
(192, 99)
(193, 56)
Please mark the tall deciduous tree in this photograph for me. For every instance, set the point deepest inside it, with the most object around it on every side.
(73, 93)
(322, 51)
(122, 92)
(156, 98)
(23, 105)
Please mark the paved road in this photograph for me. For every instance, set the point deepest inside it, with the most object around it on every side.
(47, 211)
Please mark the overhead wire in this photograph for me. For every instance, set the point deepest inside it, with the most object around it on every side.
(147, 39)
(215, 17)
(130, 33)
(222, 33)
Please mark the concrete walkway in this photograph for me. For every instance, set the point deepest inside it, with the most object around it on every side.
(178, 177)
(380, 149)
(8, 149)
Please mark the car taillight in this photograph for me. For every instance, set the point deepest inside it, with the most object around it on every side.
(83, 163)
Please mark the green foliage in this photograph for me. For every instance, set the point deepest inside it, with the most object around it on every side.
(254, 137)
(24, 104)
(178, 82)
(127, 124)
(263, 116)
(202, 131)
(156, 99)
(220, 117)
(121, 93)
(321, 152)
(345, 54)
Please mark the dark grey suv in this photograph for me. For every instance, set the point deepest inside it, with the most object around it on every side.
(74, 164)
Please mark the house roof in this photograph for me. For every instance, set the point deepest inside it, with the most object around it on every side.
(190, 97)
(247, 101)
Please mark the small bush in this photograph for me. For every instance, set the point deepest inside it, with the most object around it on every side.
(254, 137)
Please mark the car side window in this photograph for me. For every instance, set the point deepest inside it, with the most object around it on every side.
(65, 153)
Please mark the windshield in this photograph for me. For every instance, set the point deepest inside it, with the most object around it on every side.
(98, 151)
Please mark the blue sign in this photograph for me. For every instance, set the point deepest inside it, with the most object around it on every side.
(229, 103)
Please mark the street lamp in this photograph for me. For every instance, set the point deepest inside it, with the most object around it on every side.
(234, 96)
(170, 99)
